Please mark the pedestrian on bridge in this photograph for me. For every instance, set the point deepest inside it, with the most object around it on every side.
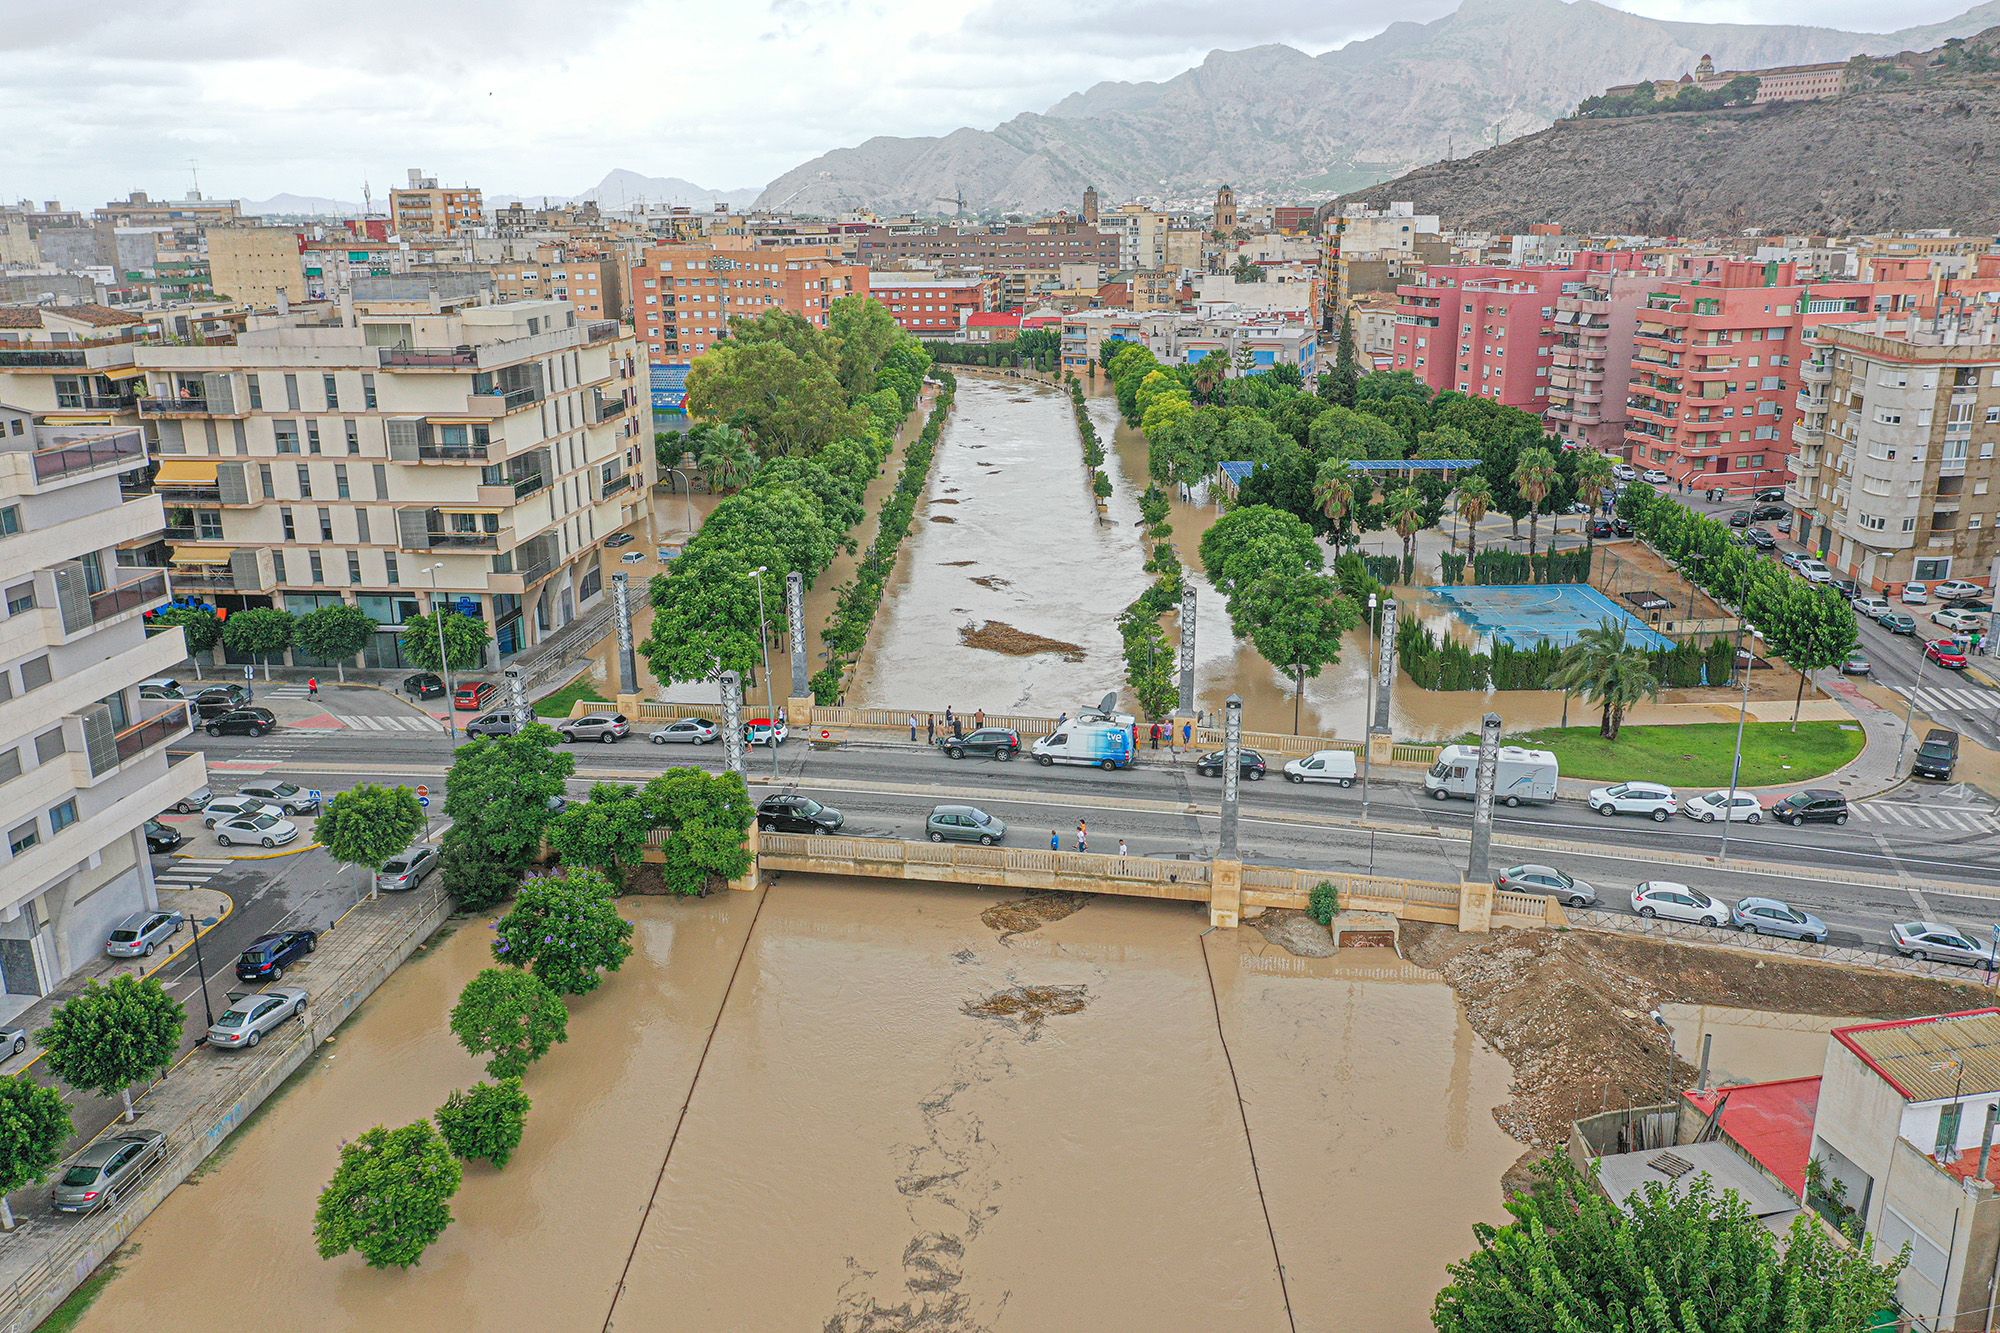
(1082, 836)
(1055, 841)
(930, 728)
(978, 719)
(913, 728)
(1123, 850)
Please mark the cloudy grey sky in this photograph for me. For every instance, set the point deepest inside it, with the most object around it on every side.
(521, 96)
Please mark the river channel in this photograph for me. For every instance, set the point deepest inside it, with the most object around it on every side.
(907, 1108)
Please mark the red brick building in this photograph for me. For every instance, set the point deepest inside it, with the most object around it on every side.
(683, 296)
(930, 306)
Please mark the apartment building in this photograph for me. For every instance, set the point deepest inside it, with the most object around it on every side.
(683, 296)
(930, 305)
(1490, 330)
(1253, 341)
(83, 759)
(1591, 363)
(422, 208)
(398, 458)
(1895, 477)
(256, 264)
(992, 249)
(595, 286)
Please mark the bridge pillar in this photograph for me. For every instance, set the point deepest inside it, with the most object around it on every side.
(799, 713)
(1475, 907)
(1381, 747)
(1225, 894)
(750, 879)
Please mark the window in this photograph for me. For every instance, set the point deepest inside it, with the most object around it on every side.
(291, 393)
(312, 437)
(326, 525)
(62, 816)
(288, 436)
(278, 565)
(332, 387)
(10, 520)
(24, 837)
(340, 481)
(264, 477)
(21, 597)
(354, 567)
(285, 520)
(318, 571)
(35, 672)
(256, 393)
(368, 392)
(381, 471)
(353, 433)
(391, 574)
(10, 764)
(49, 744)
(305, 482)
(361, 526)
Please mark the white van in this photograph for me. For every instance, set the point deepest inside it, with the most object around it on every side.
(1520, 775)
(1323, 766)
(1092, 740)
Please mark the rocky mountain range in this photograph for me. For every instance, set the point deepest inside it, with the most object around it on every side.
(1274, 118)
(1916, 149)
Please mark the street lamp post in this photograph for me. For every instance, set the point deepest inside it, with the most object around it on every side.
(201, 971)
(1736, 764)
(444, 662)
(1667, 1084)
(770, 688)
(1367, 747)
(1910, 714)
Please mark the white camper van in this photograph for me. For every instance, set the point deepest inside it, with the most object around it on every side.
(1520, 775)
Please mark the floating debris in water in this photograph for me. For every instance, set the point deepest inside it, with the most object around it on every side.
(1024, 1009)
(1021, 916)
(1000, 637)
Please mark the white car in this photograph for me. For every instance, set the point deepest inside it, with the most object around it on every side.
(1960, 622)
(264, 830)
(1721, 805)
(1953, 589)
(1916, 594)
(236, 807)
(1815, 571)
(1655, 476)
(632, 558)
(1635, 798)
(1677, 902)
(1871, 608)
(1624, 472)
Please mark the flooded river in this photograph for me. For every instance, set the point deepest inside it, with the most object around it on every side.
(921, 1109)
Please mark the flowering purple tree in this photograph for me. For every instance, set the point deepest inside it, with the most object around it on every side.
(566, 930)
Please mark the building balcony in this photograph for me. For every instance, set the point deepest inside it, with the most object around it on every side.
(433, 358)
(104, 749)
(1807, 435)
(458, 528)
(506, 400)
(41, 358)
(426, 452)
(192, 405)
(71, 457)
(1811, 400)
(1816, 372)
(600, 330)
(603, 408)
(512, 492)
(95, 402)
(613, 486)
(82, 610)
(1655, 413)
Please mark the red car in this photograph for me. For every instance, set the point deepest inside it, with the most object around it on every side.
(1947, 653)
(473, 695)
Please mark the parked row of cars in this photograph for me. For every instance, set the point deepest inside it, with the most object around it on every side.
(1659, 803)
(220, 710)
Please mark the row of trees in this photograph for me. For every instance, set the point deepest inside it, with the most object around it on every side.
(337, 633)
(1267, 565)
(1093, 448)
(1035, 349)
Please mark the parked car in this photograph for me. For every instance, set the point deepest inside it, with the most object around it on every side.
(759, 731)
(492, 724)
(424, 685)
(1623, 527)
(1897, 622)
(1977, 605)
(160, 689)
(100, 1175)
(1958, 621)
(1785, 525)
(986, 743)
(632, 558)
(1764, 513)
(1813, 806)
(1761, 539)
(1847, 588)
(1601, 528)
(1790, 559)
(1635, 798)
(618, 539)
(264, 830)
(473, 695)
(687, 731)
(1624, 472)
(253, 1014)
(1871, 606)
(1814, 571)
(1952, 590)
(287, 796)
(266, 957)
(1549, 880)
(1938, 754)
(229, 807)
(1769, 495)
(1947, 653)
(964, 823)
(1773, 916)
(192, 802)
(605, 727)
(13, 1041)
(1915, 594)
(1655, 476)
(239, 696)
(1739, 518)
(1855, 664)
(1721, 805)
(1336, 766)
(1677, 902)
(1927, 940)
(792, 813)
(137, 935)
(1249, 764)
(161, 838)
(212, 704)
(243, 722)
(407, 869)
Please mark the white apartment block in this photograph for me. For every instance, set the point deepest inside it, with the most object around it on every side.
(83, 760)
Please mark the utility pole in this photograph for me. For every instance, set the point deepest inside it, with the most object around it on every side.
(1232, 777)
(1385, 680)
(517, 699)
(732, 721)
(1187, 647)
(795, 614)
(621, 610)
(1477, 867)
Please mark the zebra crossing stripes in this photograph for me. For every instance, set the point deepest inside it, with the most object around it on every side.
(285, 692)
(1962, 699)
(362, 723)
(1956, 820)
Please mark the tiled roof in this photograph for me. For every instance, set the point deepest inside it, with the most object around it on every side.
(1773, 1122)
(20, 317)
(1932, 1059)
(100, 315)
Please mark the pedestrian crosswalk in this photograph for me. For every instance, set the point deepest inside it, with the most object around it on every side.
(283, 692)
(1953, 699)
(1954, 819)
(188, 872)
(363, 723)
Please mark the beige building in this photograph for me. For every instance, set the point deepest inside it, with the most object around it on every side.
(83, 759)
(256, 264)
(1894, 476)
(423, 208)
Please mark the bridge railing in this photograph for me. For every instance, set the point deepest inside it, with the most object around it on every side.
(1081, 865)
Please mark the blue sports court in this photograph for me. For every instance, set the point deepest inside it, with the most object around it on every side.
(1523, 615)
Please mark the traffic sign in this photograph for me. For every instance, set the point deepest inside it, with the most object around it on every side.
(312, 794)
(422, 791)
(424, 801)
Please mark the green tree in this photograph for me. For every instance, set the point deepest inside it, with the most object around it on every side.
(498, 792)
(486, 1121)
(1408, 514)
(724, 456)
(1253, 540)
(339, 631)
(34, 1126)
(1593, 479)
(367, 824)
(1333, 493)
(786, 403)
(105, 1038)
(1666, 1261)
(390, 1197)
(261, 633)
(1294, 621)
(465, 639)
(1247, 270)
(707, 816)
(1341, 432)
(511, 1016)
(863, 331)
(566, 930)
(606, 833)
(1342, 383)
(784, 328)
(1534, 477)
(1607, 671)
(474, 880)
(1810, 626)
(200, 628)
(704, 617)
(1475, 498)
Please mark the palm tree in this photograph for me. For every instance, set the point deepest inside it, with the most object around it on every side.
(1593, 479)
(1608, 672)
(1534, 477)
(726, 459)
(1406, 512)
(1475, 497)
(1209, 374)
(1333, 492)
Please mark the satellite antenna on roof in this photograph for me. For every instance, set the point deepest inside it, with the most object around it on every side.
(1108, 704)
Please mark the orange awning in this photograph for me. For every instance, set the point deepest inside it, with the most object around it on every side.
(187, 472)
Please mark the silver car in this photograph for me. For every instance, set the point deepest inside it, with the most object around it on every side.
(103, 1172)
(192, 802)
(407, 868)
(492, 724)
(606, 727)
(234, 807)
(267, 830)
(12, 1042)
(289, 797)
(1927, 940)
(687, 731)
(1773, 916)
(1547, 880)
(137, 935)
(251, 1014)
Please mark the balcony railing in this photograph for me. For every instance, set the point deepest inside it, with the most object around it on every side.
(126, 448)
(94, 402)
(604, 409)
(528, 485)
(445, 539)
(42, 358)
(512, 400)
(598, 330)
(453, 453)
(615, 485)
(146, 590)
(156, 730)
(409, 358)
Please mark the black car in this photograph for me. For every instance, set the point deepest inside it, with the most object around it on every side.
(1762, 513)
(1847, 588)
(268, 955)
(1601, 527)
(1815, 806)
(797, 814)
(1762, 540)
(1769, 495)
(1938, 755)
(1248, 762)
(424, 685)
(1622, 526)
(1739, 519)
(1977, 605)
(219, 699)
(243, 722)
(160, 838)
(985, 743)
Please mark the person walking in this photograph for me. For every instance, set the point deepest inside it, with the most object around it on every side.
(312, 687)
(1055, 841)
(958, 727)
(1123, 850)
(947, 715)
(913, 728)
(930, 728)
(1187, 734)
(1154, 735)
(1082, 836)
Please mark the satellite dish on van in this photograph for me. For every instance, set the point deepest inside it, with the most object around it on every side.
(1108, 704)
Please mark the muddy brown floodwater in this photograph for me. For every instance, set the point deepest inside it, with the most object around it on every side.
(922, 1109)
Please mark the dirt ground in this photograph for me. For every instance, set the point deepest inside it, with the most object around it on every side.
(1568, 1010)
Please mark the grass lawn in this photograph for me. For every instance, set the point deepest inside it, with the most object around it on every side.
(1698, 755)
(557, 704)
